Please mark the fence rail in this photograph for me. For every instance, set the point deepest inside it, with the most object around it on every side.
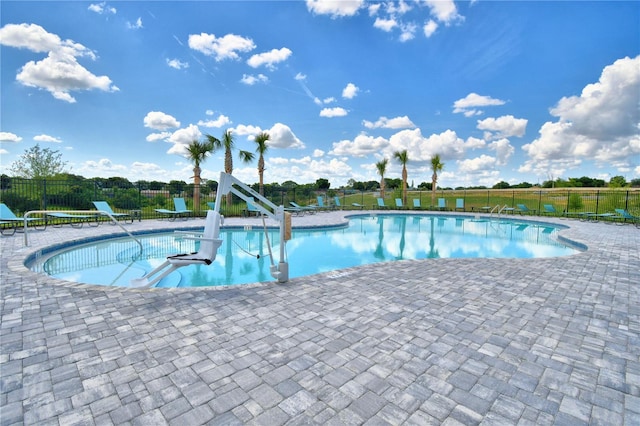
(22, 195)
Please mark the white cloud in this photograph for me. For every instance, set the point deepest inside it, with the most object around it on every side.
(385, 24)
(600, 124)
(250, 79)
(177, 64)
(430, 28)
(300, 77)
(222, 120)
(101, 8)
(408, 31)
(390, 123)
(333, 112)
(328, 100)
(155, 137)
(361, 146)
(504, 150)
(336, 9)
(9, 137)
(474, 165)
(420, 149)
(504, 126)
(269, 59)
(281, 136)
(350, 91)
(183, 137)
(59, 73)
(158, 120)
(444, 10)
(136, 25)
(248, 130)
(468, 104)
(226, 47)
(47, 138)
(317, 153)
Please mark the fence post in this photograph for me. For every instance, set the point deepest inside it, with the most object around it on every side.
(44, 193)
(597, 200)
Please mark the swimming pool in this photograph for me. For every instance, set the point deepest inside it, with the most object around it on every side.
(243, 257)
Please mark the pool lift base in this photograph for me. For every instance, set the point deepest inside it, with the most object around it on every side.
(210, 241)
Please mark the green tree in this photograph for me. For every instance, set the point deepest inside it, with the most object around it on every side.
(261, 148)
(617, 182)
(403, 158)
(382, 169)
(436, 167)
(36, 163)
(197, 152)
(228, 144)
(501, 185)
(323, 184)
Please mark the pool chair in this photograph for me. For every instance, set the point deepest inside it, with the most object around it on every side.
(442, 204)
(211, 205)
(209, 244)
(399, 203)
(460, 204)
(252, 209)
(549, 209)
(103, 206)
(181, 207)
(522, 209)
(310, 209)
(357, 205)
(8, 218)
(381, 204)
(416, 204)
(624, 216)
(57, 219)
(180, 210)
(337, 203)
(321, 205)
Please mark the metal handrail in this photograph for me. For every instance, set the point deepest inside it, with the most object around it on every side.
(94, 212)
(494, 209)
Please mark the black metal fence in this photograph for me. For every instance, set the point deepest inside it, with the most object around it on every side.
(22, 195)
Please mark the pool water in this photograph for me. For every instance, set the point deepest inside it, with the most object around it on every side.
(243, 257)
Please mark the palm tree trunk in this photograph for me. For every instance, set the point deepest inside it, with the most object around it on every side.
(261, 174)
(196, 190)
(228, 168)
(404, 185)
(434, 182)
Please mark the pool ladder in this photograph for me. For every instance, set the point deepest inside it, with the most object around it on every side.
(499, 209)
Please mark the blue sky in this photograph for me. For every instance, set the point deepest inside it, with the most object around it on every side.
(514, 91)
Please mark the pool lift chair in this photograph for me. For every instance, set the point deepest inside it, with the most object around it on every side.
(210, 239)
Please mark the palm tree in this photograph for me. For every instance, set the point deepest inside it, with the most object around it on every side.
(436, 166)
(261, 148)
(382, 169)
(228, 144)
(403, 158)
(197, 152)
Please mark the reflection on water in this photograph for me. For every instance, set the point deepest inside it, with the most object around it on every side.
(244, 255)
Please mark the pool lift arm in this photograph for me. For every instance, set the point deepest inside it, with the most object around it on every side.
(210, 238)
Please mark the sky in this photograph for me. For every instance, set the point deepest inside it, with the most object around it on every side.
(502, 90)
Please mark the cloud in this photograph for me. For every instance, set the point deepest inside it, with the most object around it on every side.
(474, 165)
(248, 130)
(317, 153)
(177, 64)
(469, 104)
(158, 120)
(59, 73)
(385, 24)
(504, 126)
(222, 120)
(350, 91)
(269, 59)
(9, 137)
(47, 138)
(226, 47)
(430, 28)
(250, 79)
(420, 149)
(504, 150)
(361, 146)
(183, 137)
(333, 112)
(136, 25)
(281, 136)
(101, 8)
(300, 77)
(155, 137)
(444, 10)
(337, 9)
(408, 31)
(390, 123)
(600, 124)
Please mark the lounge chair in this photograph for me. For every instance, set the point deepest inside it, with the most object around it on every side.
(416, 203)
(381, 204)
(8, 217)
(252, 209)
(399, 203)
(460, 204)
(549, 209)
(211, 205)
(357, 205)
(209, 244)
(181, 207)
(338, 205)
(180, 210)
(442, 203)
(625, 216)
(310, 209)
(321, 205)
(522, 209)
(103, 206)
(74, 220)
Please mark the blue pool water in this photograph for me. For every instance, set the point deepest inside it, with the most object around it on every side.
(243, 256)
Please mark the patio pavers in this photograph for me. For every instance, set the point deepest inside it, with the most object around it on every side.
(453, 341)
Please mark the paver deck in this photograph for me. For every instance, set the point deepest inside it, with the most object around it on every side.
(437, 341)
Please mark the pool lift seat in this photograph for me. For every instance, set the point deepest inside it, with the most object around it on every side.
(209, 244)
(210, 240)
